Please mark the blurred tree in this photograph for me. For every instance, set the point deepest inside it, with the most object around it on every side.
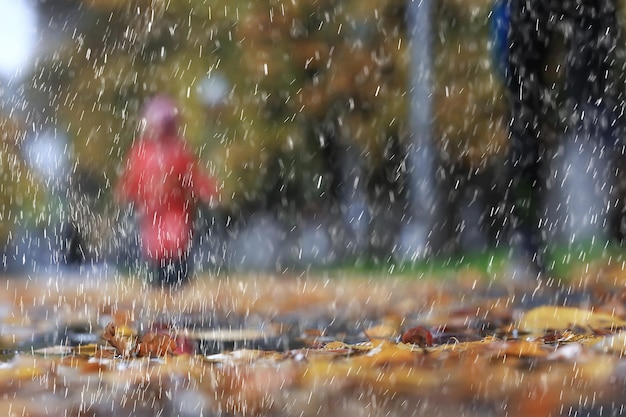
(22, 196)
(470, 109)
(272, 93)
(287, 67)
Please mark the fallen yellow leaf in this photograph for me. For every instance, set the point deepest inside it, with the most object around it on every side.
(540, 319)
(522, 348)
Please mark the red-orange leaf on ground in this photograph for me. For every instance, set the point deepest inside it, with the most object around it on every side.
(155, 345)
(418, 336)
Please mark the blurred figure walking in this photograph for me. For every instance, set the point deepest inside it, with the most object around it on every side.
(163, 181)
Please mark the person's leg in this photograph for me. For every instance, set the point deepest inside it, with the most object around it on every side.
(584, 106)
(172, 272)
(591, 56)
(527, 41)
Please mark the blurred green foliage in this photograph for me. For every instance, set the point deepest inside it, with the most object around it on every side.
(294, 71)
(470, 106)
(293, 75)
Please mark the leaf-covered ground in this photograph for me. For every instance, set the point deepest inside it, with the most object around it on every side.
(297, 345)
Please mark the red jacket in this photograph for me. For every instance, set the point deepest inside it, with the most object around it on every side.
(163, 180)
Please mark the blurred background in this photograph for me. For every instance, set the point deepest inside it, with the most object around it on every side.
(371, 132)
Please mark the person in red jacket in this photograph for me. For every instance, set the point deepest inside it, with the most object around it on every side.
(163, 181)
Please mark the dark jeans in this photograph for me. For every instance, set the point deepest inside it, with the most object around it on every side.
(543, 110)
(169, 272)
